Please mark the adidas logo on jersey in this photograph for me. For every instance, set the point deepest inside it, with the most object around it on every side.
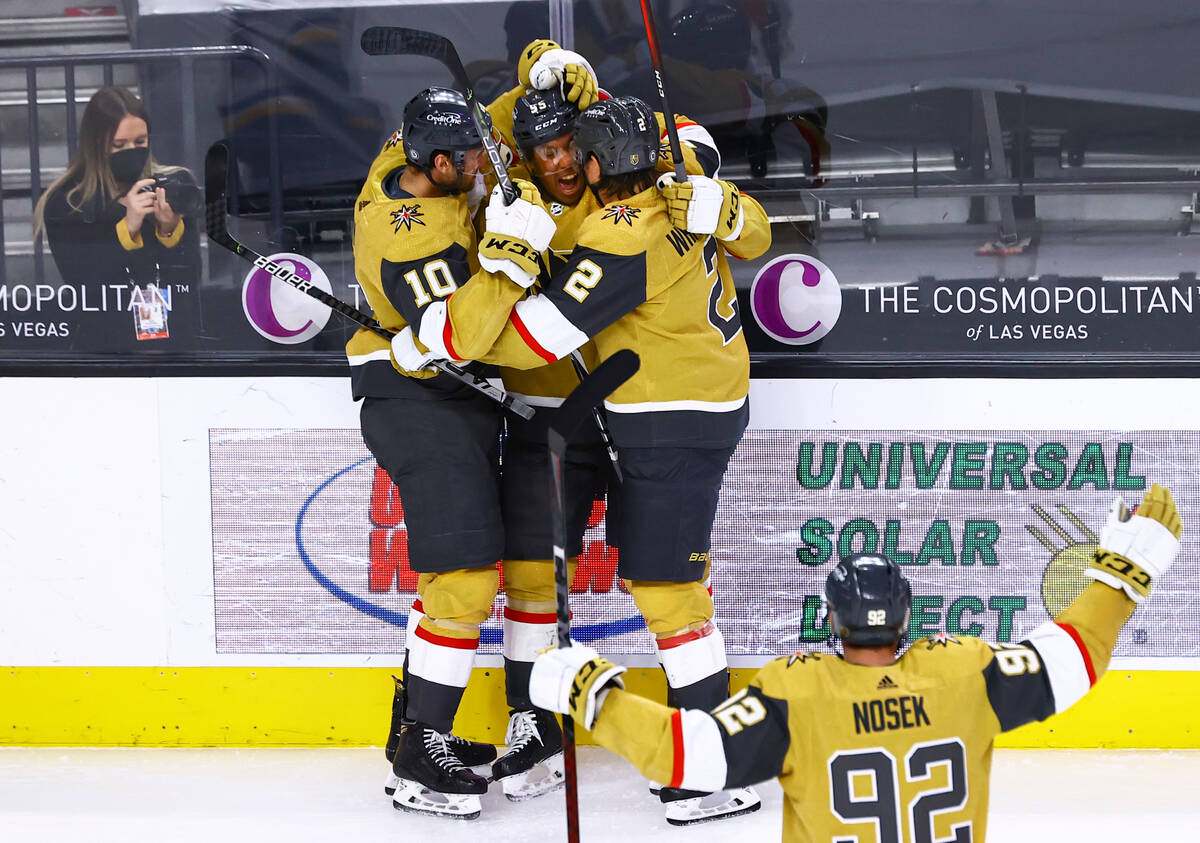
(886, 683)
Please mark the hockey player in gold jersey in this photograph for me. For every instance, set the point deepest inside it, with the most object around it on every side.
(542, 130)
(634, 280)
(872, 747)
(414, 244)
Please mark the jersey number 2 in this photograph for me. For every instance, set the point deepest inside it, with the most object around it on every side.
(881, 805)
(729, 325)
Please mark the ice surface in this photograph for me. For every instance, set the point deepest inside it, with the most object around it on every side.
(299, 795)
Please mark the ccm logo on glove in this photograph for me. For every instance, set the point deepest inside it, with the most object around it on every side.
(584, 674)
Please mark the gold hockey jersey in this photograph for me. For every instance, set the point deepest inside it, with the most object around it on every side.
(546, 385)
(895, 754)
(408, 253)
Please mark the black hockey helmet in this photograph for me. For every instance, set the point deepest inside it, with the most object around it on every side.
(621, 132)
(542, 116)
(712, 35)
(869, 600)
(439, 120)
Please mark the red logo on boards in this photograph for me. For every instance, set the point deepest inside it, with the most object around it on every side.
(388, 559)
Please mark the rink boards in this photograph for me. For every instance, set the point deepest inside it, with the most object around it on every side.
(224, 564)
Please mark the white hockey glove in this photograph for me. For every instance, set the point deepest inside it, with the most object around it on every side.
(545, 64)
(1137, 548)
(573, 681)
(516, 234)
(408, 355)
(702, 205)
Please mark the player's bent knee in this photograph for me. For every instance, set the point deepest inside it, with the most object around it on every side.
(464, 596)
(672, 607)
(529, 583)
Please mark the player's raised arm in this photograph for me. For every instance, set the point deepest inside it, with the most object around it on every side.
(1061, 660)
(742, 741)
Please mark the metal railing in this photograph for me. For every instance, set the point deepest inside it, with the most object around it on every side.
(182, 58)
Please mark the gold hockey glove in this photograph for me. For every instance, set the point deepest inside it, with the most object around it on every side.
(703, 206)
(516, 234)
(545, 64)
(574, 680)
(1136, 548)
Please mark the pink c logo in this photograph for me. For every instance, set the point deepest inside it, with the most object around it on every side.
(795, 299)
(280, 312)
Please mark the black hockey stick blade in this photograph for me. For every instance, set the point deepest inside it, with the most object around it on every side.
(216, 175)
(402, 41)
(590, 393)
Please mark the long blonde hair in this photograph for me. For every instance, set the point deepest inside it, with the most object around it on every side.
(89, 165)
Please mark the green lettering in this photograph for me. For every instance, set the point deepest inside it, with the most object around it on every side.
(891, 537)
(870, 534)
(804, 475)
(924, 622)
(1008, 460)
(979, 537)
(937, 544)
(968, 457)
(1091, 468)
(895, 465)
(926, 473)
(866, 467)
(955, 612)
(1122, 479)
(810, 633)
(1050, 459)
(1005, 607)
(815, 534)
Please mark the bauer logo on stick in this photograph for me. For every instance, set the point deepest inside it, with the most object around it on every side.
(282, 313)
(796, 299)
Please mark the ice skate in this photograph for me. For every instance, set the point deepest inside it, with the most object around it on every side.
(533, 764)
(431, 780)
(688, 807)
(469, 753)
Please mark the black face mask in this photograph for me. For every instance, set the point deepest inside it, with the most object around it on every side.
(127, 164)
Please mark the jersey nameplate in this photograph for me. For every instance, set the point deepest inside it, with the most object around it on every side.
(891, 713)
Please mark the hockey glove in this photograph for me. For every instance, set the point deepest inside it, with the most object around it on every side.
(573, 681)
(702, 205)
(1136, 548)
(516, 234)
(545, 64)
(408, 354)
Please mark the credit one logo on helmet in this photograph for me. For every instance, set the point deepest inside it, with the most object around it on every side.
(796, 299)
(280, 312)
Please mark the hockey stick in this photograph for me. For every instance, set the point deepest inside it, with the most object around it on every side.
(216, 174)
(668, 114)
(598, 416)
(401, 41)
(566, 420)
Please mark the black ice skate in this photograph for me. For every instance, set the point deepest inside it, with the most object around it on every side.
(688, 807)
(469, 753)
(431, 780)
(533, 764)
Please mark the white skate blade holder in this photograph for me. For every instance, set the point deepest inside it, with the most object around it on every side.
(540, 779)
(713, 806)
(393, 781)
(415, 798)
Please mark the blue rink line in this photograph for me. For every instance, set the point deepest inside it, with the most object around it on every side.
(487, 635)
